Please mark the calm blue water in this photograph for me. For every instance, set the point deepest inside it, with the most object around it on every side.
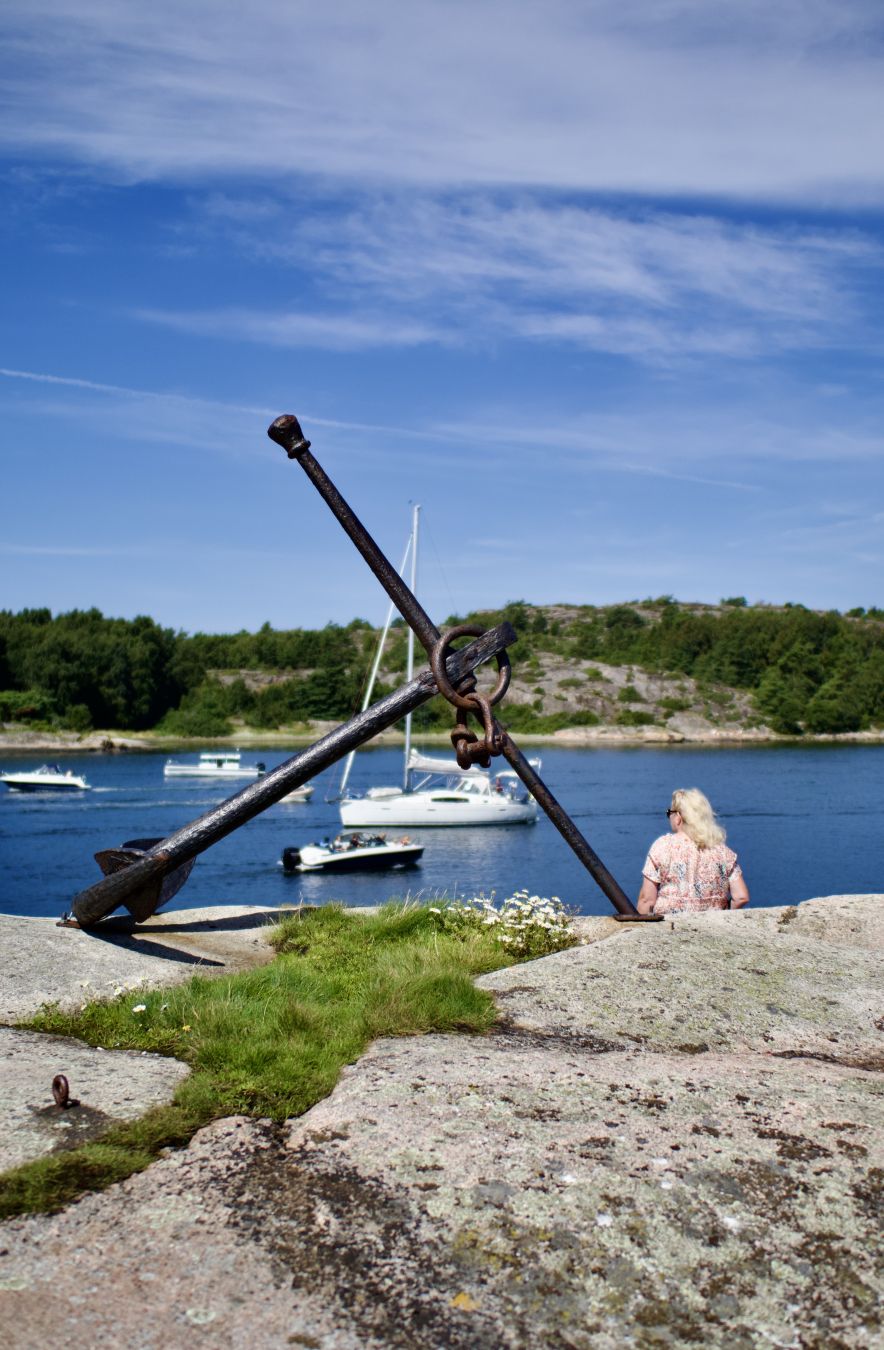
(805, 822)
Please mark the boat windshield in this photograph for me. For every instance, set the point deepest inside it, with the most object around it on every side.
(431, 770)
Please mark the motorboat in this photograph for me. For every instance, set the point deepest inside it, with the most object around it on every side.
(434, 792)
(214, 764)
(299, 794)
(353, 853)
(438, 793)
(48, 778)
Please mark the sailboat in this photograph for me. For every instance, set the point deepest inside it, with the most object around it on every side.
(435, 792)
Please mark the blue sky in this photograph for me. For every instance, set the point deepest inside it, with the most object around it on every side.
(598, 284)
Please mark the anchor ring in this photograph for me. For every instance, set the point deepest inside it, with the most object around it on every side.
(439, 655)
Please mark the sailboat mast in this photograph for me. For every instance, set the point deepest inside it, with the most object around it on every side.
(410, 664)
(369, 688)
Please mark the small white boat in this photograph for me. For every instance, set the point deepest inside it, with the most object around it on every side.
(299, 794)
(214, 764)
(353, 853)
(48, 778)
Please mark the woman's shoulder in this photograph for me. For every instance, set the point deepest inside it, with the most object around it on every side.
(662, 844)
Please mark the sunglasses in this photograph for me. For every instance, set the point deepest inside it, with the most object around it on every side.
(673, 811)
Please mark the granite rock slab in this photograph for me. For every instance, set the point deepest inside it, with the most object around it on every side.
(105, 1086)
(44, 963)
(593, 1173)
(794, 980)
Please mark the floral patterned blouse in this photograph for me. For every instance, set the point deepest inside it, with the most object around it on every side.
(690, 877)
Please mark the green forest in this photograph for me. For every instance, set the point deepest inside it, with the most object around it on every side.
(808, 671)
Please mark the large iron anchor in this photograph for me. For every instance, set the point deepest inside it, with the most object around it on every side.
(144, 874)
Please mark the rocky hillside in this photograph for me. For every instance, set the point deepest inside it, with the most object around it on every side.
(630, 699)
(647, 669)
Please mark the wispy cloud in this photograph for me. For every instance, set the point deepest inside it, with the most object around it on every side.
(334, 332)
(192, 401)
(70, 551)
(686, 445)
(95, 386)
(459, 271)
(701, 444)
(738, 98)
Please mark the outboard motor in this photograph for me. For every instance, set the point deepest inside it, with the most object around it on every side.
(290, 859)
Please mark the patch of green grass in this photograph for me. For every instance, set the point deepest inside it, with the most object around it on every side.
(268, 1042)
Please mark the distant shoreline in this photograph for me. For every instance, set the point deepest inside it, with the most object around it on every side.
(17, 741)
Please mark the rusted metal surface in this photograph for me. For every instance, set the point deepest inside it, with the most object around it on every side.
(286, 431)
(468, 749)
(112, 860)
(135, 878)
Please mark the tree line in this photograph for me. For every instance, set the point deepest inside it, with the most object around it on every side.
(808, 671)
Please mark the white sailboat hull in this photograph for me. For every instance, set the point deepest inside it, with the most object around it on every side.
(435, 809)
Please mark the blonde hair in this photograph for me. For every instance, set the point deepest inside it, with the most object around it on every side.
(698, 818)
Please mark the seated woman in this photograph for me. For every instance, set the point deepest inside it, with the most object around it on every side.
(691, 868)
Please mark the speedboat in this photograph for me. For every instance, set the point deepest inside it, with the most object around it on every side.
(48, 778)
(352, 853)
(299, 794)
(214, 764)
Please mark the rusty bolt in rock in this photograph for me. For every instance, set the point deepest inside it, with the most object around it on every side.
(61, 1091)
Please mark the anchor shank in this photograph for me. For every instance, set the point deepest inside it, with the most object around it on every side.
(98, 900)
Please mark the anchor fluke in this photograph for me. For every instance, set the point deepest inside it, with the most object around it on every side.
(148, 897)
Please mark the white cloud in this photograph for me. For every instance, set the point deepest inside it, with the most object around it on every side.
(731, 440)
(719, 443)
(737, 99)
(340, 332)
(417, 270)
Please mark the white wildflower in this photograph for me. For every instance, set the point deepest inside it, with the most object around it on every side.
(140, 1008)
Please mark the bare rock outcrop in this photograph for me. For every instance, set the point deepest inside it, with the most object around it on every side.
(673, 1137)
